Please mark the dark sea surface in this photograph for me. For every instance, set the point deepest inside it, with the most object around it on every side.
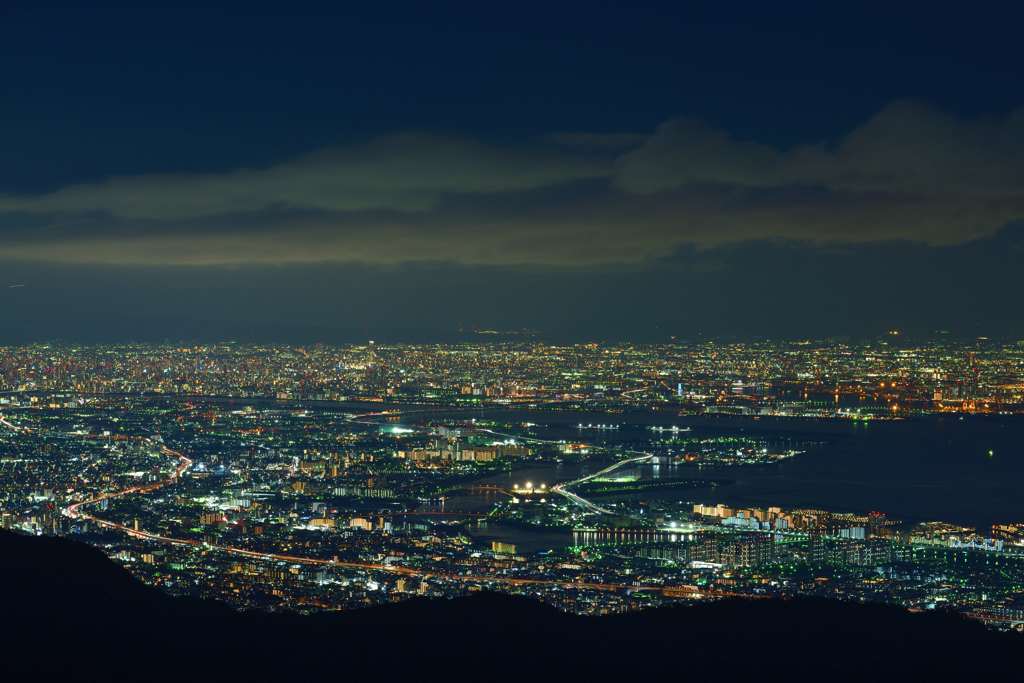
(968, 470)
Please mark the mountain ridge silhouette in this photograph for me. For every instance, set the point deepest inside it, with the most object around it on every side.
(73, 614)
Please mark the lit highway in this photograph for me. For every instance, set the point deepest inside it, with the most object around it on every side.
(563, 488)
(398, 466)
(76, 511)
(11, 425)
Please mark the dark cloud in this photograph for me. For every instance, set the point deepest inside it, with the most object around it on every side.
(407, 172)
(908, 147)
(909, 173)
(765, 289)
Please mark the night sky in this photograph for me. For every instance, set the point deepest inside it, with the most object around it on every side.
(590, 171)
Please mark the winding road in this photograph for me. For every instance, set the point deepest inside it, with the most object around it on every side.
(563, 488)
(76, 511)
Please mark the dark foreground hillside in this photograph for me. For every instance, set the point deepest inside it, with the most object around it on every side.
(71, 614)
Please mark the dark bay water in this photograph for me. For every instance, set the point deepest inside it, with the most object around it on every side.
(968, 470)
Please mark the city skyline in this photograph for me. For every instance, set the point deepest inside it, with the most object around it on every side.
(472, 340)
(600, 479)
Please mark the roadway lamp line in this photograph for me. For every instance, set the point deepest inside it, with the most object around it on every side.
(563, 489)
(74, 511)
(13, 427)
